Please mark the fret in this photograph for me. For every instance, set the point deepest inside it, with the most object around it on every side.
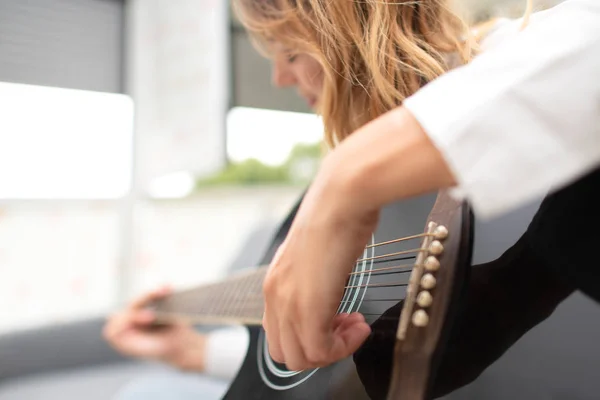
(238, 299)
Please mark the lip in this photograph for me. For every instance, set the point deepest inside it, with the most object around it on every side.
(311, 101)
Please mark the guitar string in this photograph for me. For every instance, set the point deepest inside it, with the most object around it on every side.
(391, 254)
(376, 260)
(402, 239)
(394, 259)
(377, 271)
(255, 304)
(405, 268)
(375, 285)
(378, 244)
(401, 269)
(409, 266)
(249, 303)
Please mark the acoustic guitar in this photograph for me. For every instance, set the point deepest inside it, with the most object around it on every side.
(407, 284)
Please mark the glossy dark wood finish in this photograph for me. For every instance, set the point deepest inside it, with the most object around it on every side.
(367, 374)
(418, 354)
(338, 381)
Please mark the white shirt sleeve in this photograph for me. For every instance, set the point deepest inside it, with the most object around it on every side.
(523, 118)
(225, 351)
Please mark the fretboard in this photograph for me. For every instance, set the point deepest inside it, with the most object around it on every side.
(236, 300)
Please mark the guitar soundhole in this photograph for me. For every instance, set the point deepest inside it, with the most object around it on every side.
(375, 288)
(276, 375)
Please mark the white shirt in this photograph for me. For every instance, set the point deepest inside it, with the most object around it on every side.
(225, 351)
(522, 118)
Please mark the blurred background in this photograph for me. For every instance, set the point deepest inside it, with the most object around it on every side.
(141, 143)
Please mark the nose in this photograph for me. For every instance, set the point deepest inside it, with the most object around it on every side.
(282, 76)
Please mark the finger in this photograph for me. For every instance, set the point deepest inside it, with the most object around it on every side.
(346, 335)
(109, 327)
(142, 317)
(270, 321)
(339, 319)
(272, 333)
(147, 298)
(316, 331)
(116, 324)
(294, 357)
(341, 323)
(146, 321)
(349, 336)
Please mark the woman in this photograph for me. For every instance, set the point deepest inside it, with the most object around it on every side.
(341, 90)
(353, 62)
(346, 91)
(347, 95)
(528, 100)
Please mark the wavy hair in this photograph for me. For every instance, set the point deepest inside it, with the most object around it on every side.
(374, 53)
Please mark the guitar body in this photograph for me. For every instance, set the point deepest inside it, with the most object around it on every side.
(339, 381)
(402, 359)
(378, 293)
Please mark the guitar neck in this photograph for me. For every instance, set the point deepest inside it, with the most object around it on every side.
(235, 300)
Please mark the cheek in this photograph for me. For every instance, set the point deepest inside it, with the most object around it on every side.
(313, 76)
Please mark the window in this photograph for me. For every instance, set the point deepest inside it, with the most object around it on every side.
(65, 172)
(64, 144)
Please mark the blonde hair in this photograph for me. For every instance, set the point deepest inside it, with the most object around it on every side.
(374, 53)
(527, 15)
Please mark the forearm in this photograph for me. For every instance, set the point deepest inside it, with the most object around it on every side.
(389, 159)
(192, 354)
(522, 116)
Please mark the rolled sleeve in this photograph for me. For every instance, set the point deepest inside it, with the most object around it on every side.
(524, 117)
(225, 351)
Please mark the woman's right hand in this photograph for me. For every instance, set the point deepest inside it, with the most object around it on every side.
(131, 332)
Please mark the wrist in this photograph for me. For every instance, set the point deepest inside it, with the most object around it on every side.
(190, 354)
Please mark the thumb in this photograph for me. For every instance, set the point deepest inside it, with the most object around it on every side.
(349, 336)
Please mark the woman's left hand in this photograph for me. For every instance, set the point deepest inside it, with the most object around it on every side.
(306, 279)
